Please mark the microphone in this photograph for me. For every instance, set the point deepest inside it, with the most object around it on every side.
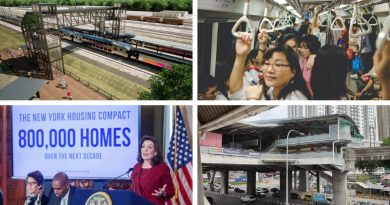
(105, 186)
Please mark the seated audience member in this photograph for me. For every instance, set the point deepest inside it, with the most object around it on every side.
(34, 189)
(62, 192)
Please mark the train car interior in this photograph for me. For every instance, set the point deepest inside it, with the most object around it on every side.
(327, 50)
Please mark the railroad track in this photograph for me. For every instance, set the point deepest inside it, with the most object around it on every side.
(99, 54)
(187, 36)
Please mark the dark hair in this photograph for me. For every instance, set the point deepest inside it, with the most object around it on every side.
(312, 43)
(297, 83)
(37, 176)
(290, 36)
(61, 177)
(156, 159)
(329, 73)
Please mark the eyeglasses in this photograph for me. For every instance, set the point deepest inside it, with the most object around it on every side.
(31, 183)
(276, 66)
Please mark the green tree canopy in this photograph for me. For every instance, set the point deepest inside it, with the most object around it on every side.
(173, 84)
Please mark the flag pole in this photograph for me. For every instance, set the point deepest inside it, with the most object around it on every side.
(175, 152)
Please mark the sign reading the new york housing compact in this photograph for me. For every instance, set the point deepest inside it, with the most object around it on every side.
(93, 142)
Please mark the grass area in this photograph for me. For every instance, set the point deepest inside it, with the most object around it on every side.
(10, 38)
(113, 84)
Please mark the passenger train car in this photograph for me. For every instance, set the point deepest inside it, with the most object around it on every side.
(359, 27)
(131, 47)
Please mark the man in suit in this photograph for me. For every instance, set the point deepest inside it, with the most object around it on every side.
(62, 192)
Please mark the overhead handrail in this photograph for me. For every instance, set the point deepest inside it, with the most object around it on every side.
(244, 19)
(266, 20)
(355, 18)
(332, 26)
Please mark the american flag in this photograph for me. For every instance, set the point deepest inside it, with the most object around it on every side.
(180, 161)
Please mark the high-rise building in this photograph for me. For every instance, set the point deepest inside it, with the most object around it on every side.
(363, 115)
(383, 114)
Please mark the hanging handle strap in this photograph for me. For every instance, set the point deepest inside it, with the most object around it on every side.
(333, 25)
(243, 19)
(356, 18)
(278, 25)
(266, 20)
(373, 21)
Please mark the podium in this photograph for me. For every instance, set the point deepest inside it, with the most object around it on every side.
(118, 197)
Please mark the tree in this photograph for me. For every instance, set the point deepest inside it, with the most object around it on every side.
(175, 84)
(369, 167)
(386, 163)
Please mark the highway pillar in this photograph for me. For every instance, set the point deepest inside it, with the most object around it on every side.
(302, 181)
(283, 185)
(295, 180)
(251, 183)
(339, 187)
(318, 182)
(225, 181)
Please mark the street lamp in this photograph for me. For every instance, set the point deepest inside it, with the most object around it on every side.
(288, 134)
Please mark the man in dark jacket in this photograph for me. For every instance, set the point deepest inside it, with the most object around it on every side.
(62, 192)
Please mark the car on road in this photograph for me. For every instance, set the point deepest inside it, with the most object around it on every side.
(276, 194)
(239, 190)
(307, 197)
(263, 190)
(248, 199)
(295, 195)
(274, 190)
(260, 194)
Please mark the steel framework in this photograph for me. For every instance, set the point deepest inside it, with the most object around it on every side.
(40, 31)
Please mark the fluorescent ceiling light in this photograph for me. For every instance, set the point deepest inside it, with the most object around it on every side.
(289, 8)
(281, 1)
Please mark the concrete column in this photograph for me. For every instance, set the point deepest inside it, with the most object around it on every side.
(283, 185)
(302, 181)
(339, 187)
(251, 183)
(318, 182)
(210, 176)
(225, 182)
(295, 180)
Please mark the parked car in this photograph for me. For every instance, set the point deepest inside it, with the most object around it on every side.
(248, 199)
(239, 190)
(276, 194)
(307, 197)
(263, 190)
(274, 190)
(295, 195)
(260, 194)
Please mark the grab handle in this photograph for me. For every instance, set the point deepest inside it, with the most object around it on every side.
(332, 26)
(243, 19)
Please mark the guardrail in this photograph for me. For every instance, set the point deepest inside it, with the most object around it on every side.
(91, 86)
(282, 156)
(306, 140)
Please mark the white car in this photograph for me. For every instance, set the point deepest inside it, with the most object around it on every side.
(248, 198)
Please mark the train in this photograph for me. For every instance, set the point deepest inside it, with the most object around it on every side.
(130, 47)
